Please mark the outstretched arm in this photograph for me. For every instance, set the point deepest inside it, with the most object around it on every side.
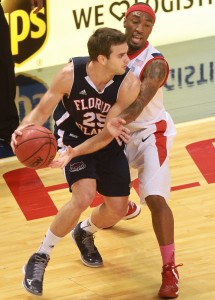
(91, 145)
(153, 77)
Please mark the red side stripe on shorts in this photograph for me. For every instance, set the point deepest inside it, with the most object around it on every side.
(161, 140)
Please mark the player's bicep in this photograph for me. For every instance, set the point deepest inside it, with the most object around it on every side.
(156, 73)
(60, 86)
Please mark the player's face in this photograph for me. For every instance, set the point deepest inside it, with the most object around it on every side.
(118, 60)
(138, 26)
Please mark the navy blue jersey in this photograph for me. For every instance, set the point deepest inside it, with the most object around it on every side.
(82, 114)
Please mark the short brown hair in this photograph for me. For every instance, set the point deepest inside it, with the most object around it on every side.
(101, 41)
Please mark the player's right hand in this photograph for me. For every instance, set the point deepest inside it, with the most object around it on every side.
(63, 159)
(16, 133)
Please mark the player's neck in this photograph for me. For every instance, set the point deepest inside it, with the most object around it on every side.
(98, 75)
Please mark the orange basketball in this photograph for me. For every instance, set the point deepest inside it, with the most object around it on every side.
(36, 147)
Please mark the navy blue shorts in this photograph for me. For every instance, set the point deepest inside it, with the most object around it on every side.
(109, 166)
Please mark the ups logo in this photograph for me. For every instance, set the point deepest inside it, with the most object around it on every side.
(28, 30)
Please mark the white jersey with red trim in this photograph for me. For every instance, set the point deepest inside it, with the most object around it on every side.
(152, 134)
(155, 110)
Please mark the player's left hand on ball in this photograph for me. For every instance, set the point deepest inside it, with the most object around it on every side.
(117, 129)
(16, 133)
(63, 159)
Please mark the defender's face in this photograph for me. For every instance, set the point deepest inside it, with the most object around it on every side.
(118, 60)
(138, 26)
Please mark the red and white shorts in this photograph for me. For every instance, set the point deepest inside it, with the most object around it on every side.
(148, 153)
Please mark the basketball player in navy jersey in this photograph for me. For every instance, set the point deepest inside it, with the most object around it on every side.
(152, 133)
(87, 91)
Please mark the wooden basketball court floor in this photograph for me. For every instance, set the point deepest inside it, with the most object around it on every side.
(132, 262)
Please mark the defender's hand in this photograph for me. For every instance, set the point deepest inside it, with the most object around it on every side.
(117, 129)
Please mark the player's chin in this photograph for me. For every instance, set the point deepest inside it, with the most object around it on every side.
(122, 71)
(135, 46)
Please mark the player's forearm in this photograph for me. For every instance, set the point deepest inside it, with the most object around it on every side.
(36, 117)
(147, 91)
(133, 111)
(93, 144)
(154, 77)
